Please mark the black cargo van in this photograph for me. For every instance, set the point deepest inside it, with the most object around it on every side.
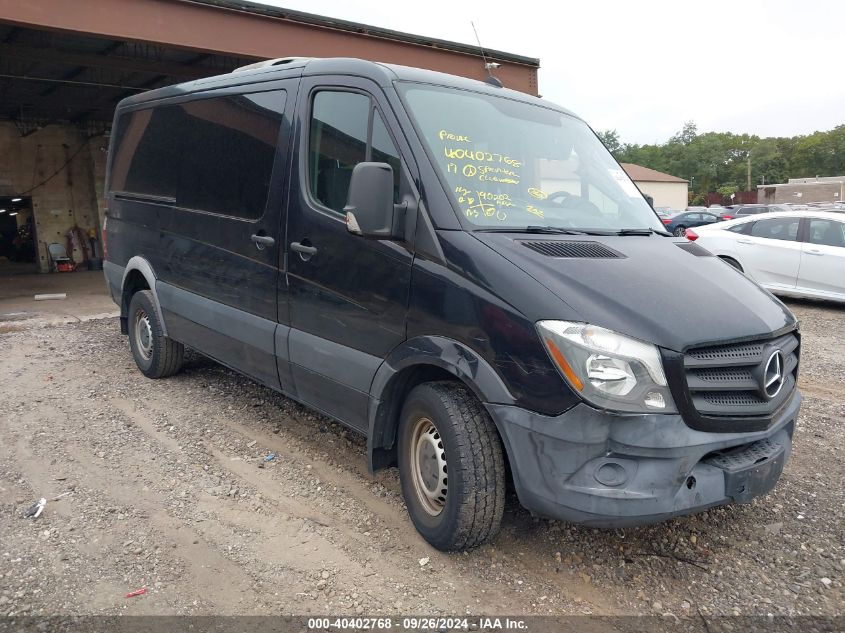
(458, 271)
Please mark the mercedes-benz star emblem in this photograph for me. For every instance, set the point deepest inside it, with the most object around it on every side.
(773, 375)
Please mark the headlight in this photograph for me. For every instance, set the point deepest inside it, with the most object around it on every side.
(609, 370)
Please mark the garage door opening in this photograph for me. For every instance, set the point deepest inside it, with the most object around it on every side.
(64, 66)
(18, 237)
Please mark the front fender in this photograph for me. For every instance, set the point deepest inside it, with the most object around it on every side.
(455, 357)
(390, 380)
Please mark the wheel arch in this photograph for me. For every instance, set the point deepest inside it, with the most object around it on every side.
(732, 261)
(138, 275)
(418, 360)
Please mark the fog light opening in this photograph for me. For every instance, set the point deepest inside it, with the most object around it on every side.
(611, 474)
(655, 400)
(690, 483)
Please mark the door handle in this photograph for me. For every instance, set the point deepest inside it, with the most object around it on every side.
(262, 241)
(815, 251)
(744, 242)
(305, 249)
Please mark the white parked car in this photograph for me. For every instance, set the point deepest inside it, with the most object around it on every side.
(800, 254)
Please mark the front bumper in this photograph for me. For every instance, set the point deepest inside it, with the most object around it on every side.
(612, 470)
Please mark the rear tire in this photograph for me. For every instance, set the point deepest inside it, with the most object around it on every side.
(459, 506)
(680, 231)
(156, 355)
(733, 262)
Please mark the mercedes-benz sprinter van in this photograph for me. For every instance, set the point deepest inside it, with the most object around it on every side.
(460, 272)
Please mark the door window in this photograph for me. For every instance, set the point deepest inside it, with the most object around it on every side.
(214, 155)
(345, 130)
(776, 229)
(692, 217)
(384, 151)
(743, 227)
(827, 233)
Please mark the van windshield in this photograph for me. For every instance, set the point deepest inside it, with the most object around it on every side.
(514, 165)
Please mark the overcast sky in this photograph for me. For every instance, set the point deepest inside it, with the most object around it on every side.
(772, 68)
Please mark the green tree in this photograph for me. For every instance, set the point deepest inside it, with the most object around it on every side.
(610, 138)
(715, 160)
(686, 135)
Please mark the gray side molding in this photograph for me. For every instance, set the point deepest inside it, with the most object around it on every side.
(143, 266)
(341, 363)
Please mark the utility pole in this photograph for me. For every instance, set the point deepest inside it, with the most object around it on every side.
(748, 188)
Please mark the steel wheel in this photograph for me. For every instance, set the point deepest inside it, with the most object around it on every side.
(440, 421)
(156, 355)
(428, 466)
(143, 334)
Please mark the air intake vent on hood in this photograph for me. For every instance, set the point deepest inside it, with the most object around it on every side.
(572, 248)
(694, 249)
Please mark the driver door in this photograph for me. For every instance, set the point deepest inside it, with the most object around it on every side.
(348, 295)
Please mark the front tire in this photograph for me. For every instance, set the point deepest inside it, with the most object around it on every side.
(451, 466)
(156, 355)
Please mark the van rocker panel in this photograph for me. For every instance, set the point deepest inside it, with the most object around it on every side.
(238, 339)
(332, 377)
(339, 362)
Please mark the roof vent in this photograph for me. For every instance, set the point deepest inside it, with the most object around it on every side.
(279, 61)
(572, 248)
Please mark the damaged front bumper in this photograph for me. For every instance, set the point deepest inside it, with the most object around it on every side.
(615, 470)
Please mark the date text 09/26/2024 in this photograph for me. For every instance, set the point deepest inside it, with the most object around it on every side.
(417, 623)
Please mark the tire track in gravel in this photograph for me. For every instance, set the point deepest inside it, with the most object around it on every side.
(296, 454)
(832, 394)
(273, 545)
(287, 457)
(118, 486)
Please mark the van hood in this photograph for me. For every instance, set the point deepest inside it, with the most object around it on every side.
(672, 293)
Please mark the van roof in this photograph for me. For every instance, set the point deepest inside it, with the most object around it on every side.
(382, 73)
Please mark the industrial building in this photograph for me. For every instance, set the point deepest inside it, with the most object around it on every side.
(65, 65)
(803, 191)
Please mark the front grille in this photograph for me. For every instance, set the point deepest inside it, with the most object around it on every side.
(746, 352)
(572, 249)
(725, 374)
(727, 380)
(731, 398)
(742, 457)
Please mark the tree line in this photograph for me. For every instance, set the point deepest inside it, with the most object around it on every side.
(719, 161)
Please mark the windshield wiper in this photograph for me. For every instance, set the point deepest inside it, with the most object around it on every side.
(640, 232)
(532, 229)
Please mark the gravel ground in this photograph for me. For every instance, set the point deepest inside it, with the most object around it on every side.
(163, 485)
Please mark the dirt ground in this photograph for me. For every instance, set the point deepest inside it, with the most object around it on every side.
(85, 293)
(163, 485)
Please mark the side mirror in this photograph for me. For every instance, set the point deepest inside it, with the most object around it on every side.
(369, 209)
